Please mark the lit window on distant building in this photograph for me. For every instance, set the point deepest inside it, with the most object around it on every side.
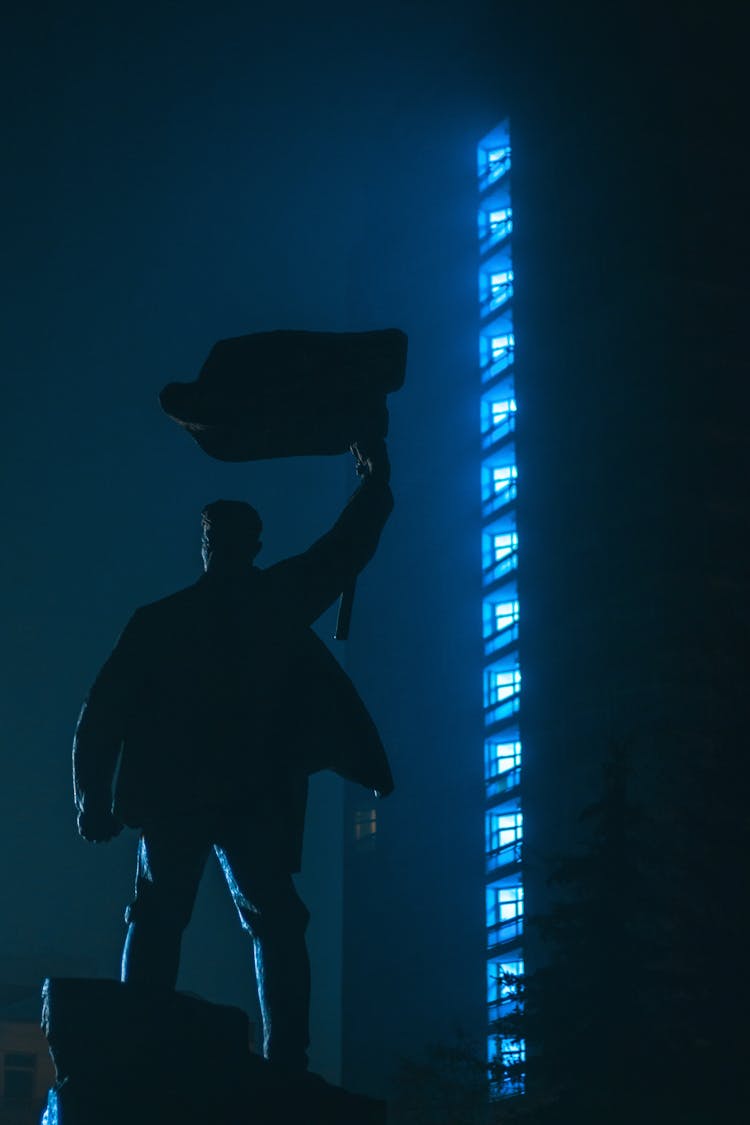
(503, 545)
(365, 828)
(496, 353)
(498, 161)
(502, 684)
(501, 757)
(504, 904)
(501, 221)
(501, 286)
(500, 410)
(503, 476)
(503, 979)
(504, 829)
(511, 1052)
(501, 346)
(498, 420)
(504, 615)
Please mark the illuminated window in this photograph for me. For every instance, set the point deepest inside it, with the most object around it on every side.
(504, 615)
(495, 225)
(498, 161)
(503, 980)
(503, 476)
(501, 287)
(504, 904)
(502, 346)
(503, 684)
(500, 410)
(501, 757)
(496, 353)
(503, 545)
(501, 221)
(365, 828)
(499, 616)
(511, 1052)
(498, 419)
(503, 829)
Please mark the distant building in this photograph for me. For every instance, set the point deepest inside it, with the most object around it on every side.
(610, 593)
(500, 604)
(26, 1070)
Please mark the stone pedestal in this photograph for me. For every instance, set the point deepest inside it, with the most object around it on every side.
(125, 1055)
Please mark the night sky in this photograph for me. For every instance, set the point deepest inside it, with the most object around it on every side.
(176, 174)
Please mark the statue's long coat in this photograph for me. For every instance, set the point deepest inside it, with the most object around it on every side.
(221, 694)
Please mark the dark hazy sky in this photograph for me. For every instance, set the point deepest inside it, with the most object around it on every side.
(173, 174)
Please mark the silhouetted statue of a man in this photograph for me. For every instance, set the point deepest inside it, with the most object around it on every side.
(218, 702)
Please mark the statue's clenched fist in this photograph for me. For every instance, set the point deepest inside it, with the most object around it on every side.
(98, 825)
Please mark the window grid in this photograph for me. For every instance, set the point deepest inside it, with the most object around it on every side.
(500, 606)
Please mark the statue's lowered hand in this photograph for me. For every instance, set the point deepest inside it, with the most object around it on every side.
(98, 825)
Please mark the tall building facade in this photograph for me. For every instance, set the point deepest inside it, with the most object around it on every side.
(500, 604)
(611, 291)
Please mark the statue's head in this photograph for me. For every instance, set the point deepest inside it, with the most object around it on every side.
(230, 537)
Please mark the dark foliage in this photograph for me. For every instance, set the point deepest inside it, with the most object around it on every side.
(636, 1013)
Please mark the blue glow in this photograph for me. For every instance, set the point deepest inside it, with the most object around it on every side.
(501, 757)
(499, 556)
(497, 359)
(506, 613)
(501, 288)
(501, 221)
(51, 1115)
(502, 979)
(500, 604)
(495, 225)
(503, 829)
(502, 685)
(500, 621)
(500, 484)
(493, 162)
(504, 904)
(498, 421)
(501, 410)
(502, 346)
(504, 545)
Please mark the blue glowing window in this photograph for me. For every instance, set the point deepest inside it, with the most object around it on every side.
(506, 614)
(504, 904)
(501, 410)
(503, 979)
(501, 286)
(512, 1052)
(501, 221)
(496, 353)
(504, 545)
(498, 161)
(502, 685)
(499, 616)
(501, 346)
(503, 476)
(498, 420)
(495, 225)
(503, 829)
(502, 757)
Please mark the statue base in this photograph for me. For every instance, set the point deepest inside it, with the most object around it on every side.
(126, 1055)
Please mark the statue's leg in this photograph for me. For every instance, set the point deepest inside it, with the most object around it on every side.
(171, 858)
(276, 918)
